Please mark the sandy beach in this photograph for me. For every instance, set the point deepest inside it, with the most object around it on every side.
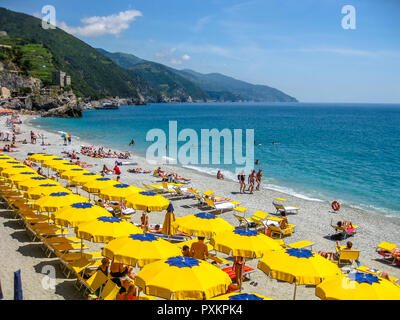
(312, 224)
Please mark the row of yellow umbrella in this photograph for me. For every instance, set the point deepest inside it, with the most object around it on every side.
(179, 277)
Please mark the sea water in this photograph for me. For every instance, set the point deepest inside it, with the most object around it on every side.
(317, 151)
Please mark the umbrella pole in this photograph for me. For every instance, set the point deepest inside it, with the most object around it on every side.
(295, 287)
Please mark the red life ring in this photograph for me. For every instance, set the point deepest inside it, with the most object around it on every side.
(335, 205)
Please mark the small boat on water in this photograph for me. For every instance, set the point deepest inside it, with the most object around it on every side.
(108, 105)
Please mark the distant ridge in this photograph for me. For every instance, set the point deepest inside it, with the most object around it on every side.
(212, 86)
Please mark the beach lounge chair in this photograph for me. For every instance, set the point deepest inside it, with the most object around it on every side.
(79, 266)
(347, 257)
(248, 223)
(344, 234)
(385, 250)
(95, 282)
(247, 272)
(109, 291)
(301, 244)
(280, 207)
(276, 230)
(183, 193)
(152, 188)
(222, 206)
(170, 237)
(146, 297)
(221, 262)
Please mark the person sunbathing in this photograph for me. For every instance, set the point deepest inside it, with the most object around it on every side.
(186, 251)
(214, 199)
(177, 177)
(156, 229)
(284, 223)
(220, 175)
(349, 246)
(346, 225)
(327, 254)
(138, 170)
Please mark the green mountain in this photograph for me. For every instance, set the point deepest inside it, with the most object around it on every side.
(218, 85)
(165, 80)
(213, 86)
(92, 74)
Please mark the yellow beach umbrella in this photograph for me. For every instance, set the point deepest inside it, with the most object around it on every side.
(182, 278)
(65, 166)
(168, 220)
(40, 157)
(77, 213)
(54, 201)
(357, 286)
(140, 249)
(147, 201)
(35, 181)
(241, 296)
(202, 225)
(4, 157)
(300, 266)
(105, 229)
(44, 190)
(85, 178)
(244, 243)
(52, 162)
(22, 176)
(69, 174)
(118, 192)
(9, 163)
(9, 171)
(98, 184)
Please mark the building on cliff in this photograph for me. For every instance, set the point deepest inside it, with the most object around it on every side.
(61, 79)
(4, 93)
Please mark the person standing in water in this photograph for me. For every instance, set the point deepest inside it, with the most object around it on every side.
(132, 143)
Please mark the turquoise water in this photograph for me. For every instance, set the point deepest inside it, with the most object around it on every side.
(348, 152)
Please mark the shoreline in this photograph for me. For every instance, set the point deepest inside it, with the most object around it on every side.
(283, 190)
(313, 223)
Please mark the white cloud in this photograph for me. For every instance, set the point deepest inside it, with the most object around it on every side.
(186, 57)
(97, 26)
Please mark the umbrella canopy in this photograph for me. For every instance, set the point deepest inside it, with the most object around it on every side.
(65, 166)
(85, 178)
(202, 225)
(77, 213)
(105, 229)
(67, 175)
(168, 220)
(147, 201)
(65, 135)
(40, 157)
(52, 162)
(357, 286)
(245, 243)
(17, 169)
(182, 278)
(118, 192)
(35, 181)
(99, 184)
(54, 201)
(44, 190)
(140, 249)
(5, 160)
(22, 176)
(241, 296)
(299, 265)
(3, 156)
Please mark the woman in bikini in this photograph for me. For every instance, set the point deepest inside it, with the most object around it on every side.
(238, 267)
(242, 182)
(144, 222)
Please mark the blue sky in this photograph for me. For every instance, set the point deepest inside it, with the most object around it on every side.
(296, 46)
